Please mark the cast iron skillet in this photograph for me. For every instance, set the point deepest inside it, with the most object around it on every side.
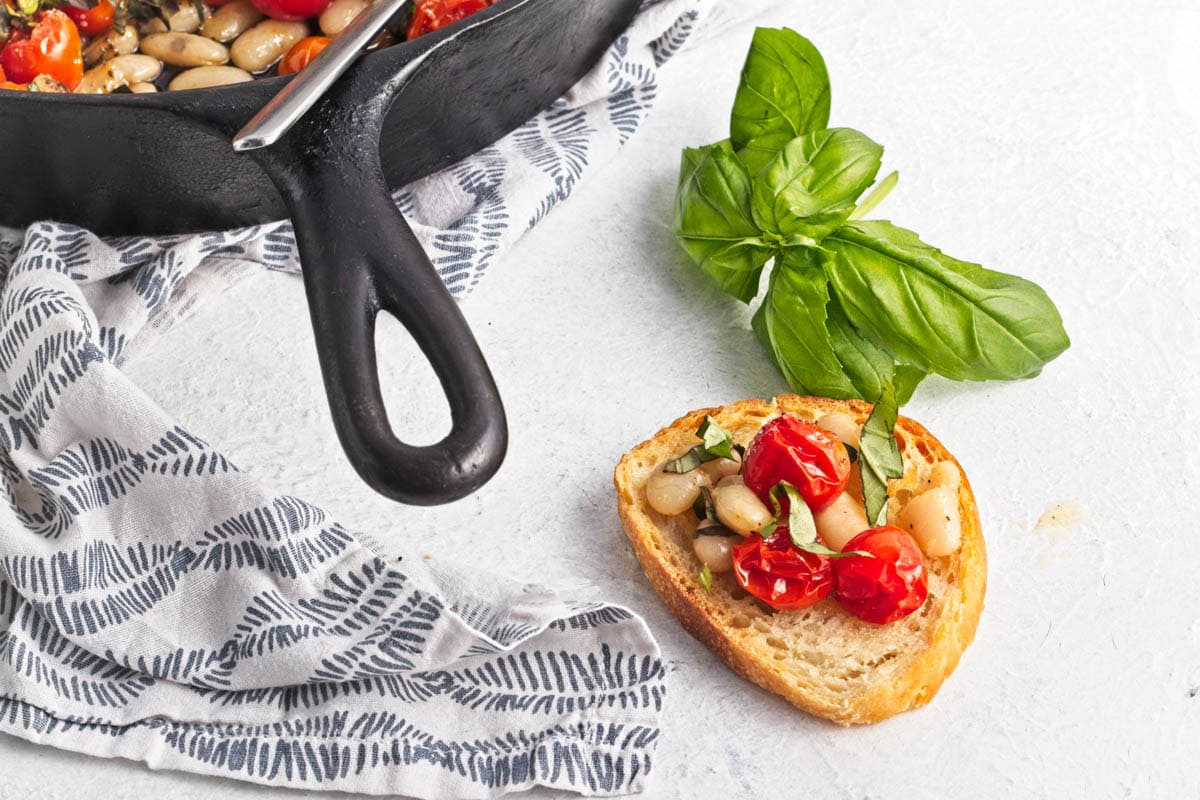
(163, 163)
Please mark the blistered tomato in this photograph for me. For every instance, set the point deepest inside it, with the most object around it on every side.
(887, 586)
(291, 10)
(302, 53)
(780, 574)
(92, 21)
(790, 449)
(52, 48)
(432, 15)
(5, 83)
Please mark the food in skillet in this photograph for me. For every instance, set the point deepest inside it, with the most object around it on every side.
(826, 550)
(113, 46)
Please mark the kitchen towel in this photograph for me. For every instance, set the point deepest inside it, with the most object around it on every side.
(158, 604)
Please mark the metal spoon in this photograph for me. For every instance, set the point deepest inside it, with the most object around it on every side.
(311, 83)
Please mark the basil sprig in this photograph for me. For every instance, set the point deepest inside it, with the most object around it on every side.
(851, 305)
(802, 527)
(716, 442)
(879, 458)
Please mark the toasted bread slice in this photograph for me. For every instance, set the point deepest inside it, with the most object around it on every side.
(821, 659)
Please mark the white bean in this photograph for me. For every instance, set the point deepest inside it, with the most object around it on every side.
(154, 25)
(120, 71)
(183, 19)
(843, 426)
(47, 85)
(264, 44)
(716, 552)
(732, 480)
(204, 77)
(339, 15)
(841, 521)
(933, 520)
(720, 468)
(185, 49)
(231, 21)
(739, 509)
(114, 43)
(945, 473)
(673, 493)
(143, 88)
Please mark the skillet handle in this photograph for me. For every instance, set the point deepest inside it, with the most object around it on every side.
(359, 257)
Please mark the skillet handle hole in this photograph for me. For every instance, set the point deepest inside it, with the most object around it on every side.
(412, 394)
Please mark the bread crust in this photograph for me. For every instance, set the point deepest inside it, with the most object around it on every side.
(913, 675)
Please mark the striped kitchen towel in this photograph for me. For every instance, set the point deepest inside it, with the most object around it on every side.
(158, 604)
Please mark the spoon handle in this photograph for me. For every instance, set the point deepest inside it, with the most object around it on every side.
(308, 86)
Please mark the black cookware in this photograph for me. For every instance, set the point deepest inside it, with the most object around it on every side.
(163, 163)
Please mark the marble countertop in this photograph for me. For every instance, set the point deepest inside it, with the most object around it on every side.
(1055, 140)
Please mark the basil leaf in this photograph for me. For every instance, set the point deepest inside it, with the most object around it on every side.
(879, 456)
(688, 461)
(703, 503)
(717, 529)
(717, 440)
(784, 91)
(792, 321)
(713, 221)
(940, 314)
(809, 190)
(868, 366)
(802, 527)
(758, 154)
(717, 443)
(706, 511)
(758, 323)
(705, 578)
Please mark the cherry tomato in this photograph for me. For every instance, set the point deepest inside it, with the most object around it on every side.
(302, 53)
(790, 449)
(5, 83)
(432, 15)
(52, 48)
(779, 573)
(885, 588)
(92, 21)
(291, 10)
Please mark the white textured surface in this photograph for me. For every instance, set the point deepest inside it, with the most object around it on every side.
(1056, 140)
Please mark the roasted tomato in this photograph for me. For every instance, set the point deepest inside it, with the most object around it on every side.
(302, 53)
(886, 586)
(5, 83)
(432, 15)
(790, 449)
(779, 573)
(291, 10)
(92, 21)
(51, 48)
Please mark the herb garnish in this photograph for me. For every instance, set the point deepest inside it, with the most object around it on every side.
(802, 528)
(705, 578)
(851, 304)
(716, 443)
(706, 510)
(879, 456)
